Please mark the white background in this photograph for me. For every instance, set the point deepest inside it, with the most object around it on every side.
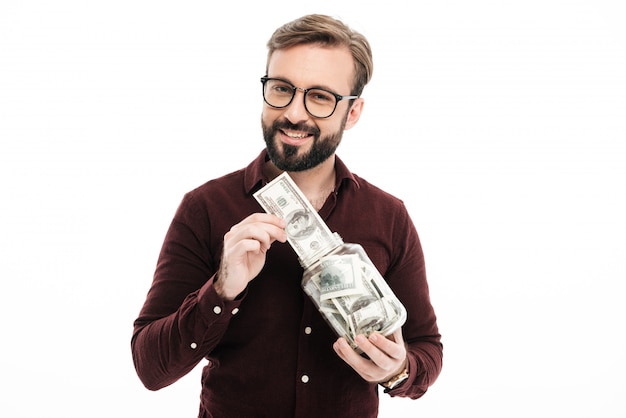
(502, 125)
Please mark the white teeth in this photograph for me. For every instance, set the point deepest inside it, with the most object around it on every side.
(294, 135)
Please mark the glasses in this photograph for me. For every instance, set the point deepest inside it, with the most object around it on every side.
(319, 103)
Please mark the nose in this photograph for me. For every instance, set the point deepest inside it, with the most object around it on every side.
(296, 112)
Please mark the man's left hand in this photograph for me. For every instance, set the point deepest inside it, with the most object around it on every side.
(387, 355)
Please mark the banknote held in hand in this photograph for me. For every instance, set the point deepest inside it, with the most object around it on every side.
(339, 277)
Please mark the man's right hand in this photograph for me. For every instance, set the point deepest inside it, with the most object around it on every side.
(244, 251)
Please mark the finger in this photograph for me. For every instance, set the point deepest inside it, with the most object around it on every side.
(366, 368)
(274, 225)
(264, 233)
(264, 218)
(349, 355)
(244, 246)
(263, 228)
(392, 345)
(383, 352)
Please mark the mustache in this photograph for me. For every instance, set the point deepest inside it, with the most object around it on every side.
(303, 127)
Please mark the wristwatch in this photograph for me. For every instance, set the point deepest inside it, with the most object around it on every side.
(397, 380)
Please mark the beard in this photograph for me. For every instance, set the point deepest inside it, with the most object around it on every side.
(289, 160)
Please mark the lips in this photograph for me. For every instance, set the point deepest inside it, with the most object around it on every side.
(294, 137)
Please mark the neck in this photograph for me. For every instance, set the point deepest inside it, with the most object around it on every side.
(316, 183)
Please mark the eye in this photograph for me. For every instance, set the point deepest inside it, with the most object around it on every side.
(321, 96)
(280, 87)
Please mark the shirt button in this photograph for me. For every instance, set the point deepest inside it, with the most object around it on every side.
(305, 378)
(193, 346)
(217, 310)
(234, 311)
(307, 330)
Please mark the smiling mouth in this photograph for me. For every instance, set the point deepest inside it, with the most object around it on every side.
(295, 137)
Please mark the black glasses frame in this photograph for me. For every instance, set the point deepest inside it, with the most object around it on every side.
(338, 97)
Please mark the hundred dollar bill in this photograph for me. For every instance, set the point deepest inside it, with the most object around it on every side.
(392, 307)
(340, 276)
(307, 233)
(327, 307)
(363, 314)
(341, 281)
(366, 309)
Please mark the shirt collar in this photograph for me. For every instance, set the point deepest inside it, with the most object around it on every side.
(254, 178)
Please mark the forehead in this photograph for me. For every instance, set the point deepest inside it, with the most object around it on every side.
(314, 65)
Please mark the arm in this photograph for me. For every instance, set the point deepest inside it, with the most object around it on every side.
(417, 345)
(188, 309)
(421, 333)
(178, 312)
(167, 348)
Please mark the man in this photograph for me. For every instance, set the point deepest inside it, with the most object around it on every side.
(227, 284)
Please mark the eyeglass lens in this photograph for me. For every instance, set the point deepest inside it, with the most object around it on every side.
(319, 103)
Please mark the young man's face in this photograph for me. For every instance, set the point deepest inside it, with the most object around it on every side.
(296, 140)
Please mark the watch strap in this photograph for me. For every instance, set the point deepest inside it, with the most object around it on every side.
(397, 380)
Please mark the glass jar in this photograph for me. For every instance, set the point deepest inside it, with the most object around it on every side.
(351, 294)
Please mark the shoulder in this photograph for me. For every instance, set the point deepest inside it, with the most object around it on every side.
(225, 186)
(222, 194)
(375, 195)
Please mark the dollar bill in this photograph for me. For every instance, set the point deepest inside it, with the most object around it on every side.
(340, 276)
(336, 319)
(364, 309)
(348, 291)
(363, 313)
(307, 233)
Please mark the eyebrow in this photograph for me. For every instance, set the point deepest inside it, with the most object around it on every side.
(316, 86)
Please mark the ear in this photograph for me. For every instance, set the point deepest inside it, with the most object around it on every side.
(354, 113)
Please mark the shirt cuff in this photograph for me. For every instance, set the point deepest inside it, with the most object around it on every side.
(213, 307)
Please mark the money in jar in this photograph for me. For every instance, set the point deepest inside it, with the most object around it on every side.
(351, 294)
(339, 277)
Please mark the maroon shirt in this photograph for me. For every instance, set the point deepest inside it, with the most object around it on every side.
(270, 351)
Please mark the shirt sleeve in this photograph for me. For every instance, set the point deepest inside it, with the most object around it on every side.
(407, 277)
(183, 318)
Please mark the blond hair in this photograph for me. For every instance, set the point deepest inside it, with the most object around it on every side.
(327, 31)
